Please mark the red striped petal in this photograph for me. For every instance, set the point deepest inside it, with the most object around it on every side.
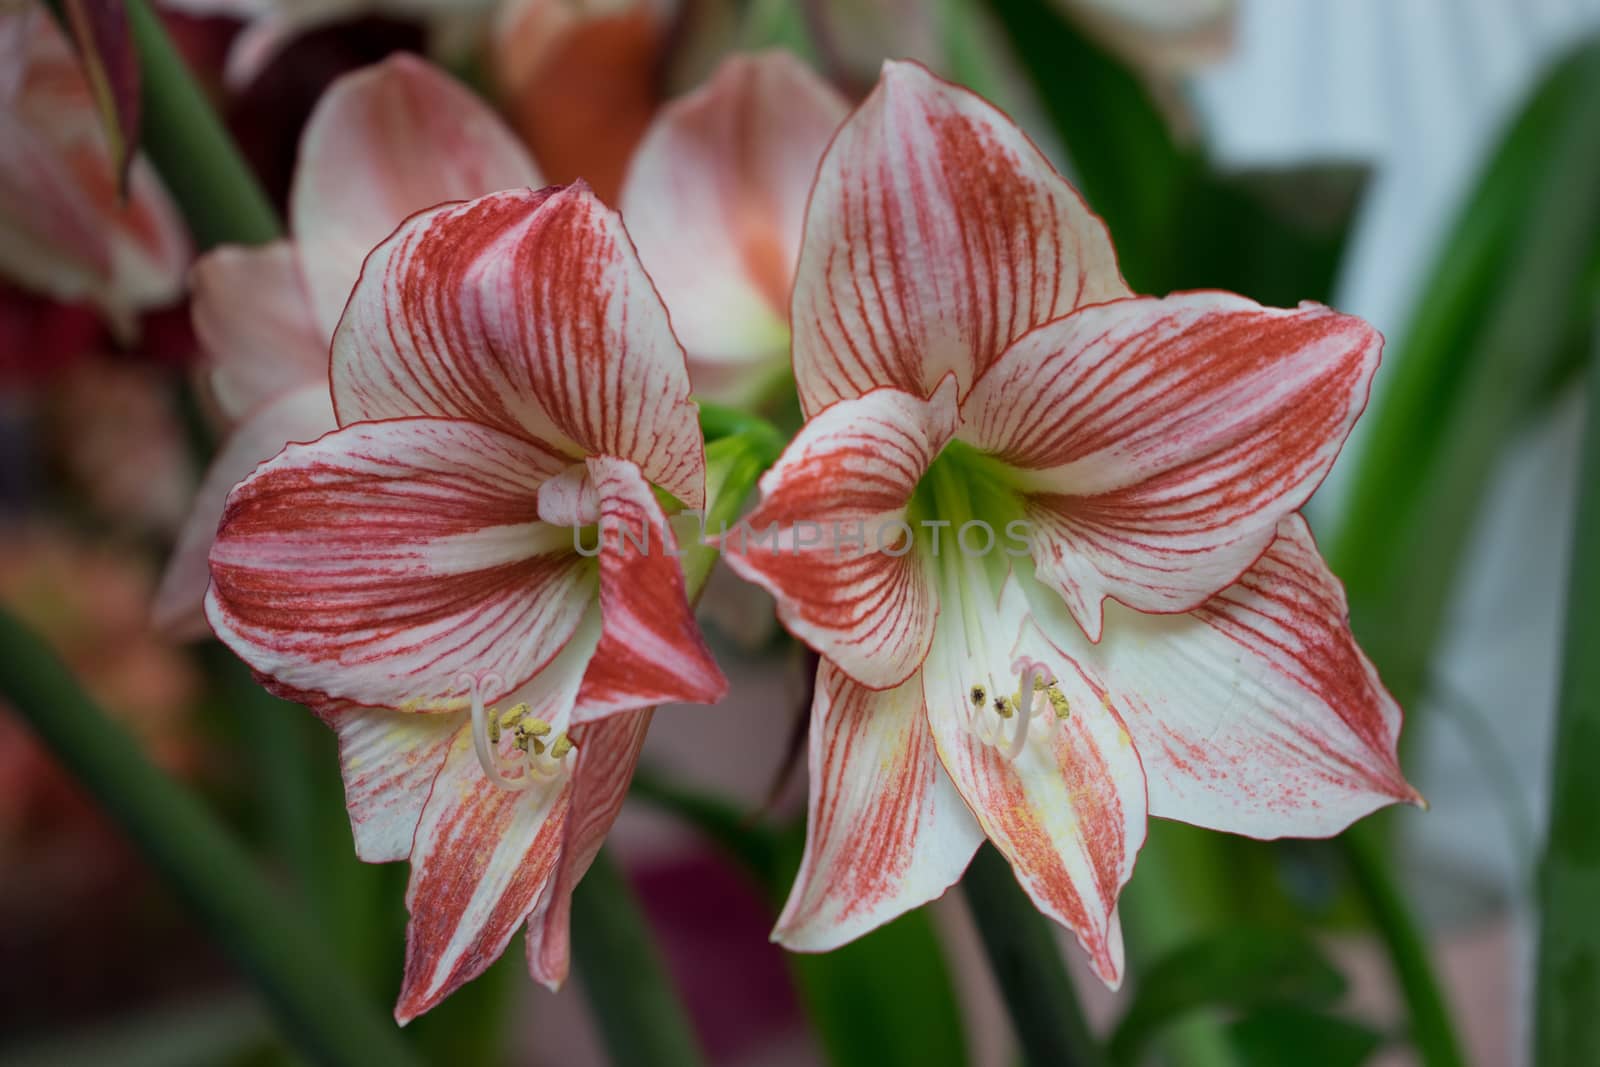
(1162, 440)
(651, 651)
(937, 233)
(383, 143)
(1068, 810)
(389, 760)
(529, 312)
(850, 470)
(253, 317)
(608, 753)
(715, 199)
(383, 561)
(303, 414)
(885, 829)
(1256, 713)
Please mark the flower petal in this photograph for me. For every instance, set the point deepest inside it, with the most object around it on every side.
(651, 650)
(253, 317)
(389, 760)
(715, 198)
(1161, 440)
(303, 414)
(482, 856)
(383, 143)
(608, 753)
(886, 830)
(937, 233)
(385, 560)
(1256, 713)
(527, 311)
(1068, 811)
(850, 469)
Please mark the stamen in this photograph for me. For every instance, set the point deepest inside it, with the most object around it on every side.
(483, 743)
(1026, 698)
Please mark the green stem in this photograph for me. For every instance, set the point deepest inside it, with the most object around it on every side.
(1022, 951)
(198, 161)
(1567, 1022)
(1432, 1031)
(631, 994)
(321, 1010)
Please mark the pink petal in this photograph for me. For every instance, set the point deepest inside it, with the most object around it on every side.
(389, 760)
(886, 830)
(715, 199)
(651, 651)
(382, 144)
(550, 328)
(851, 468)
(1161, 441)
(482, 856)
(608, 753)
(382, 562)
(1256, 713)
(303, 414)
(1068, 811)
(253, 317)
(937, 234)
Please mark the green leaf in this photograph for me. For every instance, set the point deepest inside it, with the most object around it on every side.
(1275, 1036)
(1235, 967)
(1567, 1007)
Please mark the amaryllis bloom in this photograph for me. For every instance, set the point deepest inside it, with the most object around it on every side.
(1043, 533)
(66, 229)
(472, 578)
(382, 143)
(715, 198)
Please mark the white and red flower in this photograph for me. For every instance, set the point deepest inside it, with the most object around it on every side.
(509, 393)
(383, 143)
(715, 197)
(1044, 534)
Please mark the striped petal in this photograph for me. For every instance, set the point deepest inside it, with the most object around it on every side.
(527, 311)
(937, 233)
(303, 414)
(383, 143)
(651, 651)
(826, 540)
(1068, 808)
(389, 761)
(886, 830)
(382, 562)
(253, 317)
(1256, 713)
(715, 199)
(608, 753)
(1161, 441)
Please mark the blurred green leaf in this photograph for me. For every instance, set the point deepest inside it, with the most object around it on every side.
(1233, 966)
(882, 1000)
(1567, 1005)
(1275, 1036)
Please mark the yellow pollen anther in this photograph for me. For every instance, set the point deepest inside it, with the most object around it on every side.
(1005, 707)
(1058, 701)
(979, 695)
(560, 747)
(1040, 685)
(493, 728)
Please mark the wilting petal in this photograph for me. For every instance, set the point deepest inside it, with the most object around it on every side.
(536, 304)
(715, 199)
(384, 143)
(1068, 810)
(885, 830)
(389, 760)
(482, 856)
(303, 414)
(608, 752)
(850, 469)
(385, 560)
(937, 234)
(1161, 441)
(253, 316)
(1256, 713)
(651, 651)
(581, 81)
